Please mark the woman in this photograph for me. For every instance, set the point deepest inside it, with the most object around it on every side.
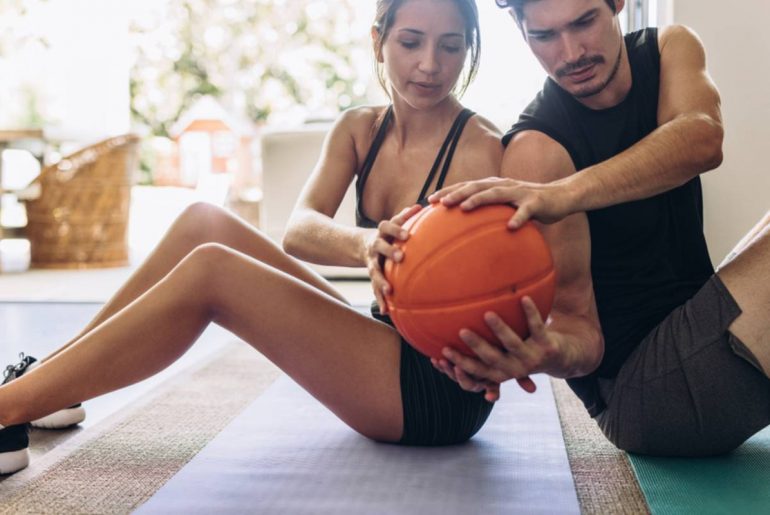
(211, 267)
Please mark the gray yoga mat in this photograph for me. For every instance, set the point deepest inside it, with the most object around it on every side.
(286, 453)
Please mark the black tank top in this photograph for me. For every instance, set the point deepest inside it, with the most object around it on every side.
(648, 256)
(445, 154)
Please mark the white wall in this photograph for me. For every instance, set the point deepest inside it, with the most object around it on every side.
(737, 44)
(87, 69)
(69, 66)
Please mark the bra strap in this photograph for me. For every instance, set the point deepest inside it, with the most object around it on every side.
(452, 138)
(466, 115)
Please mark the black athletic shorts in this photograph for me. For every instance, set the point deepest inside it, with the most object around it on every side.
(690, 388)
(436, 410)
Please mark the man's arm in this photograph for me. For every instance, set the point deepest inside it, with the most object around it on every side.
(687, 142)
(570, 344)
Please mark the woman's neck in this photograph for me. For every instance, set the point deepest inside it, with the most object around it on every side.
(411, 124)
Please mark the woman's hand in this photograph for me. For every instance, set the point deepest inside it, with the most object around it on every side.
(547, 203)
(379, 247)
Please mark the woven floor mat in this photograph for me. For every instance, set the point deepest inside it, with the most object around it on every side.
(121, 462)
(604, 479)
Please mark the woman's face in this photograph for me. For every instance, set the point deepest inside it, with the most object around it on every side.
(424, 51)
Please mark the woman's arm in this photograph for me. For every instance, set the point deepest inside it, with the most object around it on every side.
(311, 233)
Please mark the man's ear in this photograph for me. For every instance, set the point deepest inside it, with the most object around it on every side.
(376, 44)
(619, 5)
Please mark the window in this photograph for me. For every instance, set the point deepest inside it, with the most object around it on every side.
(646, 13)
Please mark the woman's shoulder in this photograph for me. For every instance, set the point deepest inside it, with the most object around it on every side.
(361, 120)
(481, 150)
(482, 135)
(481, 130)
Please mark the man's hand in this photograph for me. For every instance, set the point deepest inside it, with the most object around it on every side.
(473, 384)
(547, 203)
(517, 359)
(466, 382)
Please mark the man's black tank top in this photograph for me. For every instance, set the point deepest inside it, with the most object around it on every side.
(648, 256)
(445, 154)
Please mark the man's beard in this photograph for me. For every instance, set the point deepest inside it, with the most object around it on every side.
(588, 61)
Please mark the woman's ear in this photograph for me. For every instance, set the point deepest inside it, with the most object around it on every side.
(377, 44)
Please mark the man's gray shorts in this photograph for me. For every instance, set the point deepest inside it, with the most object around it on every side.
(690, 388)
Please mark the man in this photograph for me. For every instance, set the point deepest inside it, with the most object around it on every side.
(618, 136)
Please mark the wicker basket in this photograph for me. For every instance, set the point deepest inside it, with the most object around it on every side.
(80, 218)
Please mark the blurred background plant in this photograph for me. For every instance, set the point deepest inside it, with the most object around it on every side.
(265, 60)
(20, 37)
(83, 70)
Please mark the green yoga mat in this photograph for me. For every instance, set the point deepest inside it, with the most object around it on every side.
(737, 483)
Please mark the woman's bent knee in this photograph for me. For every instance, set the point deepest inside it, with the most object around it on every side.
(200, 212)
(209, 256)
(193, 225)
(198, 266)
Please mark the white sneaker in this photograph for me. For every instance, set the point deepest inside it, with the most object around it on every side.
(61, 419)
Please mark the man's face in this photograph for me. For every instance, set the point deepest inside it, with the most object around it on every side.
(578, 42)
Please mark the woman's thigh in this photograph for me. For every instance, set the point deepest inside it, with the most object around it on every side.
(347, 360)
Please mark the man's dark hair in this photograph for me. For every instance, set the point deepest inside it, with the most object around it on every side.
(518, 7)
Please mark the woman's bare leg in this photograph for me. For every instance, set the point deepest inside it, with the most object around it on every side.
(346, 360)
(198, 224)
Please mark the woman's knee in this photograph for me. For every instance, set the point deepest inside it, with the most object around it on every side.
(209, 256)
(198, 221)
(202, 266)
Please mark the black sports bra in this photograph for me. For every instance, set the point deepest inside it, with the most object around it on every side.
(450, 143)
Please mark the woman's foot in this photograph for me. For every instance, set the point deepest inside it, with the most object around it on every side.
(14, 448)
(14, 440)
(60, 419)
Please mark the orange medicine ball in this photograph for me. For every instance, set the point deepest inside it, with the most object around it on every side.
(458, 265)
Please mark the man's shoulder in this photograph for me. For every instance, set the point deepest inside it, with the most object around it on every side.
(547, 107)
(547, 113)
(678, 35)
